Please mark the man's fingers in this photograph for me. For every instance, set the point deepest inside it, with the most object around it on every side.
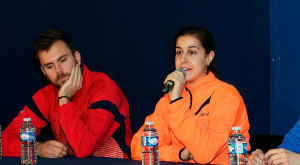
(257, 160)
(79, 77)
(53, 149)
(274, 158)
(59, 151)
(253, 162)
(279, 157)
(76, 79)
(272, 152)
(55, 155)
(257, 157)
(59, 145)
(73, 84)
(72, 74)
(56, 152)
(278, 161)
(260, 156)
(75, 75)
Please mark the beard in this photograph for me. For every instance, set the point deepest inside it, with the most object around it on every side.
(59, 76)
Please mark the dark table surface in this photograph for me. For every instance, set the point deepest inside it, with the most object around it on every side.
(69, 160)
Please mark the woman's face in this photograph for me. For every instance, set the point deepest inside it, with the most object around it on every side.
(191, 56)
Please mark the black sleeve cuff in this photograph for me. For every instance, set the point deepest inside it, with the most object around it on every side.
(180, 156)
(176, 100)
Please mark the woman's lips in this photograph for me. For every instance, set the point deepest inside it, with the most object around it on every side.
(187, 69)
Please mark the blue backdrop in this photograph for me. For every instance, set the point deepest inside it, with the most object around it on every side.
(132, 41)
(285, 57)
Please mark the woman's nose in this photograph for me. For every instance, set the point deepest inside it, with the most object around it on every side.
(183, 58)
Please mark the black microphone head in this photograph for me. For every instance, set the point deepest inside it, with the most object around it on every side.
(169, 84)
(165, 90)
(183, 71)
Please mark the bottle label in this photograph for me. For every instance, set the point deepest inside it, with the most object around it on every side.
(149, 141)
(27, 136)
(237, 148)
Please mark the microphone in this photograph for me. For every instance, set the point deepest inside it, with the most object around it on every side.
(169, 84)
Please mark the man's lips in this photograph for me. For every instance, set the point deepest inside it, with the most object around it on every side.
(61, 78)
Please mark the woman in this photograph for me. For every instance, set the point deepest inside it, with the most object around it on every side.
(195, 118)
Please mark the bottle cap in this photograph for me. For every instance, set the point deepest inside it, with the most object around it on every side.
(236, 128)
(149, 122)
(27, 119)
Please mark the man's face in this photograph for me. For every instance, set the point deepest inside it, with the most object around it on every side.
(57, 62)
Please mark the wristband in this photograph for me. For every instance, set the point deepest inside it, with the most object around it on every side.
(180, 156)
(64, 97)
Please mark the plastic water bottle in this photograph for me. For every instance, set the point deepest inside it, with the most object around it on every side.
(28, 142)
(150, 145)
(0, 144)
(237, 147)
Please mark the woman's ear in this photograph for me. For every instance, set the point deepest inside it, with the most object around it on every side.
(210, 57)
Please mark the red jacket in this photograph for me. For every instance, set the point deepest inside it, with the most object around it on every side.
(98, 111)
(200, 121)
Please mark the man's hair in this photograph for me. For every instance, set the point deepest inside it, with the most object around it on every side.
(45, 40)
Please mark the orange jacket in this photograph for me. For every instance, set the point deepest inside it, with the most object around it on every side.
(200, 121)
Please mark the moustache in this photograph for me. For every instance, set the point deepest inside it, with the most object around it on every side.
(61, 76)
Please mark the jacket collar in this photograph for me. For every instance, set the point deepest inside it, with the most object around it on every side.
(206, 79)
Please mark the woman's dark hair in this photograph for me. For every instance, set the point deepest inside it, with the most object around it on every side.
(45, 40)
(205, 38)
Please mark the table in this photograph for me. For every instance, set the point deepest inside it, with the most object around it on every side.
(71, 160)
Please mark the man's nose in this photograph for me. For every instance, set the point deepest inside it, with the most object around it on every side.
(58, 69)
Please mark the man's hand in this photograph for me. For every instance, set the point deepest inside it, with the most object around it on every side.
(51, 149)
(257, 158)
(282, 156)
(178, 78)
(71, 86)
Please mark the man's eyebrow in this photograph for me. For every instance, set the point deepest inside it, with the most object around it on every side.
(45, 65)
(62, 56)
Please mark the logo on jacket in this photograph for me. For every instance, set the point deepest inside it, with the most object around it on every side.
(206, 102)
(204, 114)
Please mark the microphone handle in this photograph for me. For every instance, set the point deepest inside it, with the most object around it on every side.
(169, 84)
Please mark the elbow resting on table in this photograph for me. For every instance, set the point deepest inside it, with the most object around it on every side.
(82, 154)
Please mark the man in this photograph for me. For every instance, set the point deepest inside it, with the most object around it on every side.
(87, 111)
(288, 152)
